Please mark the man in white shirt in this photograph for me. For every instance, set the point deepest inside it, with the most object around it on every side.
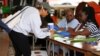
(69, 23)
(30, 23)
(63, 23)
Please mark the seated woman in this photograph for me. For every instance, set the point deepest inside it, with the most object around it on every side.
(90, 26)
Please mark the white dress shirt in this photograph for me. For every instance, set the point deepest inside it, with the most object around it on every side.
(30, 23)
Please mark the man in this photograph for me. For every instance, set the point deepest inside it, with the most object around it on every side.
(69, 23)
(30, 22)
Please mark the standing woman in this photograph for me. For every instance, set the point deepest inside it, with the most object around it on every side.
(30, 22)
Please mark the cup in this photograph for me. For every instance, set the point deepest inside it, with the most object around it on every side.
(78, 44)
(98, 43)
(50, 26)
(98, 46)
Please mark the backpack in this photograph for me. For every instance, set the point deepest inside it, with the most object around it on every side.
(12, 20)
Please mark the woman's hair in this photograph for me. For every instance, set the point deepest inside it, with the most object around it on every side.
(39, 7)
(91, 14)
(42, 6)
(80, 6)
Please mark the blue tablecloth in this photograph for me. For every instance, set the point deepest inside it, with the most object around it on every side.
(62, 33)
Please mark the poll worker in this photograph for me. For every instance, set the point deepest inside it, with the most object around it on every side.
(68, 24)
(30, 22)
(90, 26)
(45, 19)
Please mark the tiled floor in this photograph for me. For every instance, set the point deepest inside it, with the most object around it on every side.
(11, 51)
(34, 53)
(39, 53)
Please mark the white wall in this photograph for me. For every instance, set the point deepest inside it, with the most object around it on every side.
(52, 2)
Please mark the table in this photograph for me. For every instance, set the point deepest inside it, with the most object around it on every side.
(4, 44)
(85, 48)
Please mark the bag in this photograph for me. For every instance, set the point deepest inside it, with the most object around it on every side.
(12, 20)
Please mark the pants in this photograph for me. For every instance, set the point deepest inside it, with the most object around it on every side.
(41, 42)
(30, 38)
(20, 43)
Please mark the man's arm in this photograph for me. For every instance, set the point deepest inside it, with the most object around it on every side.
(35, 25)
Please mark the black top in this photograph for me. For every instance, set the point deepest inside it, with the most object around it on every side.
(46, 20)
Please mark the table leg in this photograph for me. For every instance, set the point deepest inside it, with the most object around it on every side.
(74, 53)
(53, 48)
(68, 52)
(64, 51)
(33, 47)
(48, 50)
(46, 44)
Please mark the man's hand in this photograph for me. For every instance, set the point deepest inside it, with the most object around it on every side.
(61, 28)
(52, 32)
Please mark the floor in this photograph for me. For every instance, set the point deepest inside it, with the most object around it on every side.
(11, 51)
(34, 53)
(39, 53)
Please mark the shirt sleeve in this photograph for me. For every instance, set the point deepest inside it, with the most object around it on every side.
(92, 28)
(73, 24)
(35, 25)
(62, 23)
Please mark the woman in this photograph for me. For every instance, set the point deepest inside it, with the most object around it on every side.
(30, 23)
(90, 26)
(80, 6)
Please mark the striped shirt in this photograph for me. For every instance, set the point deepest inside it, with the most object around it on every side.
(95, 32)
